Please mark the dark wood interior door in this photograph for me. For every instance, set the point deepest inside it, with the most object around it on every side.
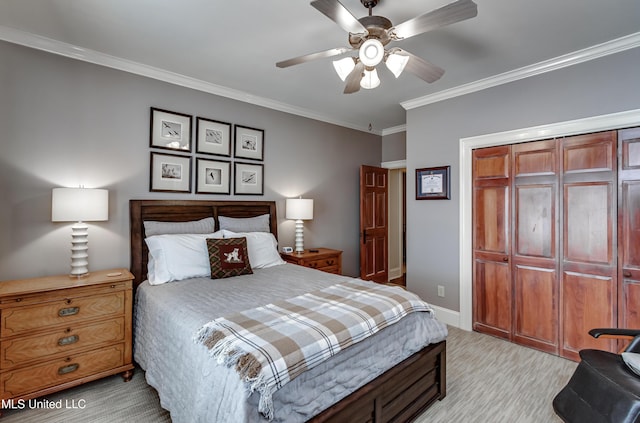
(374, 194)
(629, 228)
(588, 293)
(492, 287)
(535, 257)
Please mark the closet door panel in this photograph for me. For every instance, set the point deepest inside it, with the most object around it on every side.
(630, 304)
(589, 289)
(492, 298)
(589, 153)
(630, 255)
(535, 234)
(492, 231)
(535, 267)
(629, 227)
(536, 307)
(587, 303)
(492, 286)
(588, 223)
(535, 244)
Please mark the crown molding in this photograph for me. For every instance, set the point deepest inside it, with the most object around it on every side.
(394, 130)
(395, 164)
(68, 50)
(27, 39)
(594, 52)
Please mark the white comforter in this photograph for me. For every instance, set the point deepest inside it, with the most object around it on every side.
(194, 388)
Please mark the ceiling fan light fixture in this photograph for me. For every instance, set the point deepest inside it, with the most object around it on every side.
(371, 52)
(344, 67)
(370, 79)
(396, 63)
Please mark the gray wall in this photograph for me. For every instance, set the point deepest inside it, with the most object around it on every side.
(607, 85)
(394, 147)
(67, 123)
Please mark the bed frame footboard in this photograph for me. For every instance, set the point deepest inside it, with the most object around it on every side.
(399, 395)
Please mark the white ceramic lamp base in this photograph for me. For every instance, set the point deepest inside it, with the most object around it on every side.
(299, 237)
(79, 250)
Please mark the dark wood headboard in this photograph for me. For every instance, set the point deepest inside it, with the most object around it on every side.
(184, 211)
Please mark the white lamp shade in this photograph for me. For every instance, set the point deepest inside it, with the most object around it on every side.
(79, 205)
(371, 52)
(396, 63)
(370, 79)
(299, 209)
(344, 67)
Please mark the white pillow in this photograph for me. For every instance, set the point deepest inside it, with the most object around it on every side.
(203, 226)
(245, 224)
(262, 248)
(174, 257)
(633, 361)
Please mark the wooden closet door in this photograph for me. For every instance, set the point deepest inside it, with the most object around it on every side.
(535, 261)
(492, 287)
(588, 291)
(629, 228)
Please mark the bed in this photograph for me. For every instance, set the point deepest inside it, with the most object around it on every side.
(393, 375)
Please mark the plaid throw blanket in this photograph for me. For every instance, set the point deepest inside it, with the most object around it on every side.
(272, 344)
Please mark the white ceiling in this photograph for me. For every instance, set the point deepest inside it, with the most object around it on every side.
(230, 47)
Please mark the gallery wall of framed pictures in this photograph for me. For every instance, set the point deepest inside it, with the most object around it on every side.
(223, 155)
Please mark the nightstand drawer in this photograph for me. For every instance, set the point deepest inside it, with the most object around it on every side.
(322, 264)
(64, 341)
(60, 312)
(324, 259)
(22, 381)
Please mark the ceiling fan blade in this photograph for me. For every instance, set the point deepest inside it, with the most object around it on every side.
(312, 56)
(421, 68)
(335, 11)
(454, 12)
(354, 78)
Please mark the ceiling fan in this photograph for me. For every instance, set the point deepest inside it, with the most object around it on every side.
(371, 34)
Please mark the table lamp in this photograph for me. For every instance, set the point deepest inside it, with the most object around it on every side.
(299, 209)
(79, 205)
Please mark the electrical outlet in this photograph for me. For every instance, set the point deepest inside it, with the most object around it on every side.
(440, 291)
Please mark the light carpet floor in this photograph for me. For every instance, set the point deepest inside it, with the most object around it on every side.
(488, 381)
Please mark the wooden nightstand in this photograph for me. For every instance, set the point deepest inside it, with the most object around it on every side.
(324, 259)
(57, 332)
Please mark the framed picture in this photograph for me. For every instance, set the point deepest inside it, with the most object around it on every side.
(432, 183)
(170, 173)
(248, 143)
(248, 179)
(170, 130)
(213, 137)
(213, 176)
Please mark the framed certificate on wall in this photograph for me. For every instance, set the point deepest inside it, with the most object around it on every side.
(432, 183)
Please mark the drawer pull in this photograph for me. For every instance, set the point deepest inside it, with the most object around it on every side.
(70, 311)
(68, 340)
(68, 369)
(330, 262)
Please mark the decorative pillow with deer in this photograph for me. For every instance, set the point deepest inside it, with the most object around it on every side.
(228, 257)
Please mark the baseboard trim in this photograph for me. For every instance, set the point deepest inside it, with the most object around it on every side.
(395, 273)
(446, 316)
